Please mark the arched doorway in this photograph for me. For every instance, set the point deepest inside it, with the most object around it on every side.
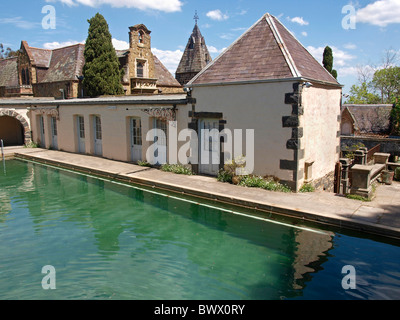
(11, 131)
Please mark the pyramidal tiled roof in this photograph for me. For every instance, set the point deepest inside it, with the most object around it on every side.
(196, 55)
(266, 51)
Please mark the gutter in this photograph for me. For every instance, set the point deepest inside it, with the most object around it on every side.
(295, 79)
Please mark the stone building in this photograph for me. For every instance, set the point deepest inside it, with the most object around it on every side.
(194, 58)
(58, 73)
(144, 72)
(366, 119)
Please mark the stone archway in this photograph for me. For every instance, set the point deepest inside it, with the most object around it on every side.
(25, 128)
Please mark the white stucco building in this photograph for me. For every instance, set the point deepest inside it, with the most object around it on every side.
(267, 81)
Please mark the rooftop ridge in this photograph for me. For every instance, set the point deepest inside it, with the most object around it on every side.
(286, 54)
(284, 27)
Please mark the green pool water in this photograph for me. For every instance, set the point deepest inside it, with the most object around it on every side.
(110, 241)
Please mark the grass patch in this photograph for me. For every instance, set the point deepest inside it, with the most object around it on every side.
(357, 197)
(177, 168)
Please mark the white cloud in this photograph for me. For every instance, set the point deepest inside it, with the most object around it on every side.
(340, 57)
(170, 59)
(350, 46)
(304, 34)
(380, 13)
(56, 45)
(120, 44)
(19, 23)
(214, 50)
(299, 20)
(160, 5)
(347, 71)
(217, 15)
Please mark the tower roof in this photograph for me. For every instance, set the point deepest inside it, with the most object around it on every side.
(266, 51)
(196, 55)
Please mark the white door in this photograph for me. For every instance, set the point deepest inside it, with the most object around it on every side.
(81, 134)
(97, 134)
(42, 132)
(161, 140)
(54, 133)
(209, 155)
(136, 139)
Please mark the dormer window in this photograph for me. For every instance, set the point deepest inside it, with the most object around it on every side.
(192, 42)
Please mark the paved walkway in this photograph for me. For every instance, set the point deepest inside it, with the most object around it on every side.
(380, 216)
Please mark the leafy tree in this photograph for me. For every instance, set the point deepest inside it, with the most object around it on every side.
(7, 53)
(361, 95)
(395, 119)
(102, 75)
(328, 61)
(387, 83)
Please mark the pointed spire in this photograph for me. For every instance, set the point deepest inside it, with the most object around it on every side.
(195, 57)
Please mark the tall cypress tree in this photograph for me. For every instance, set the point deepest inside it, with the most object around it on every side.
(328, 61)
(102, 75)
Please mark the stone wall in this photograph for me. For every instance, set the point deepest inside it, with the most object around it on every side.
(388, 145)
(169, 90)
(52, 89)
(184, 78)
(325, 183)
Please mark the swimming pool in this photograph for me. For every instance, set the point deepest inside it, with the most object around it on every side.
(106, 240)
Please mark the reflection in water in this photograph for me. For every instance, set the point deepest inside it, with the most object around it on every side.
(108, 240)
(311, 253)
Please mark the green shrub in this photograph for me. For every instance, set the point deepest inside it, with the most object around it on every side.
(224, 176)
(143, 163)
(350, 151)
(31, 145)
(307, 188)
(397, 174)
(177, 168)
(259, 182)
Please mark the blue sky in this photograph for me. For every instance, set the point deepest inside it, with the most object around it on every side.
(315, 23)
